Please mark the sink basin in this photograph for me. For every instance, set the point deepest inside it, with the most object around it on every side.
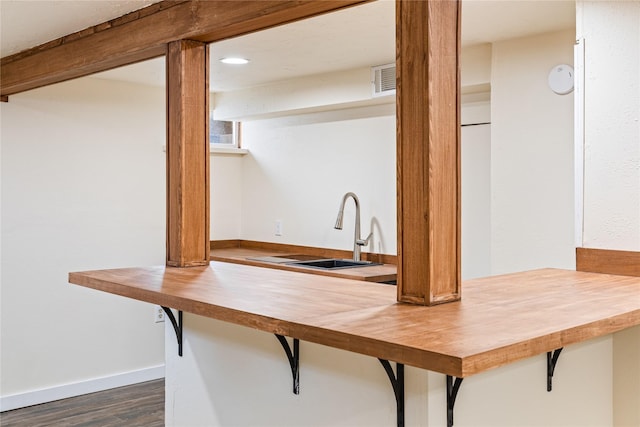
(284, 259)
(333, 264)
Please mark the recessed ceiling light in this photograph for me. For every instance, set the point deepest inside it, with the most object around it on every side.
(234, 61)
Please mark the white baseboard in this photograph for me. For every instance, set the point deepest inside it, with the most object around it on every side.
(36, 397)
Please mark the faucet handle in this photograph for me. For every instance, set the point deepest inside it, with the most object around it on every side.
(364, 242)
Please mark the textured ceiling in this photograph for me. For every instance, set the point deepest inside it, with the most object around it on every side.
(27, 23)
(355, 37)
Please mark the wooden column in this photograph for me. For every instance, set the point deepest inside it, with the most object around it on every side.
(187, 153)
(428, 150)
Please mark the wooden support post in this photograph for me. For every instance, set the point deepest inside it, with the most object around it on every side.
(428, 150)
(4, 98)
(187, 153)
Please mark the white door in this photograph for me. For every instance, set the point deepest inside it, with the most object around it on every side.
(476, 201)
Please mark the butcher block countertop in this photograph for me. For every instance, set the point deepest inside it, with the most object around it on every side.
(500, 319)
(256, 253)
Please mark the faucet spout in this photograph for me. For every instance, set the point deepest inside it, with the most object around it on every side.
(338, 225)
(357, 240)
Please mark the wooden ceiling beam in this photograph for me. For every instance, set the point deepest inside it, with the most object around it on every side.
(144, 34)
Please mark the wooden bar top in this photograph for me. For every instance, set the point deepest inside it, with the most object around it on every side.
(500, 319)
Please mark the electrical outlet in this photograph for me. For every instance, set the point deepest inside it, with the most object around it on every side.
(158, 314)
(278, 227)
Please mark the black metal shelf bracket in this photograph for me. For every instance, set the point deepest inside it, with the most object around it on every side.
(397, 382)
(177, 326)
(552, 359)
(453, 386)
(294, 360)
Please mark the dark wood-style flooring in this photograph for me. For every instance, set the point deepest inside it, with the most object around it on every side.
(134, 405)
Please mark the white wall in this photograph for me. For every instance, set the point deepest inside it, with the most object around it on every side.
(83, 187)
(475, 64)
(225, 196)
(611, 31)
(612, 123)
(299, 167)
(531, 156)
(233, 375)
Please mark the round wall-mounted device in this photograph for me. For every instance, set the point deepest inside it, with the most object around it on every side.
(561, 79)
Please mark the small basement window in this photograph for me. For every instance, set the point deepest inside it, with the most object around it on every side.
(224, 133)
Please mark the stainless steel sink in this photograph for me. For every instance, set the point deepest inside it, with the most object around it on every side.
(333, 264)
(284, 259)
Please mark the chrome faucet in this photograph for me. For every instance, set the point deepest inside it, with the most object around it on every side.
(357, 240)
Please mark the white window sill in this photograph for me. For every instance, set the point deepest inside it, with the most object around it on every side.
(221, 150)
(227, 150)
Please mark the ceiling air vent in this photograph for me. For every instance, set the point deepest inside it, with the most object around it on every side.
(383, 78)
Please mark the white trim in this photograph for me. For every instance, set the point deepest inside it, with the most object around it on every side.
(578, 114)
(36, 397)
(220, 149)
